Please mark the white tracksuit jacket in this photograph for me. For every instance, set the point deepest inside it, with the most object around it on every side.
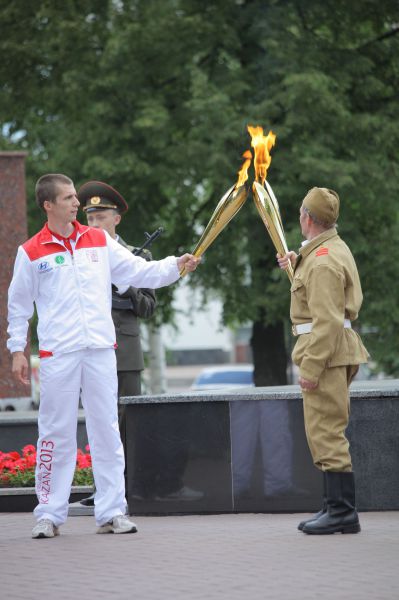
(73, 293)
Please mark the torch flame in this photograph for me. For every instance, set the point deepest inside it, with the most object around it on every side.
(262, 145)
(243, 172)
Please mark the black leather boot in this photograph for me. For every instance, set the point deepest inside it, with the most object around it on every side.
(341, 515)
(323, 507)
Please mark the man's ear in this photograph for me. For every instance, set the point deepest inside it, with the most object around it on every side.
(117, 219)
(47, 205)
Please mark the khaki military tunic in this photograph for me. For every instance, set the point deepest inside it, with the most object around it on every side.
(325, 291)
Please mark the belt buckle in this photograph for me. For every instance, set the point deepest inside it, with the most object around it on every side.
(293, 327)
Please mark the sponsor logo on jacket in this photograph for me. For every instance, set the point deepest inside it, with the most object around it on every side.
(44, 266)
(92, 254)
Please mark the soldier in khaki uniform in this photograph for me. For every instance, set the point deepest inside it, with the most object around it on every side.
(104, 206)
(325, 299)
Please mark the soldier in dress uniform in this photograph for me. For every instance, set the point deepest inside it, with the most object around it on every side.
(326, 297)
(104, 207)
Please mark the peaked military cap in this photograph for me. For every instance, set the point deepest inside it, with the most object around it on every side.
(96, 195)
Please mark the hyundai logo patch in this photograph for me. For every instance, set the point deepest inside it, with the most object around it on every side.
(43, 267)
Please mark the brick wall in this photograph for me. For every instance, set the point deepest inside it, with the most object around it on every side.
(13, 232)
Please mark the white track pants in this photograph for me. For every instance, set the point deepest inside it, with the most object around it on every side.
(61, 379)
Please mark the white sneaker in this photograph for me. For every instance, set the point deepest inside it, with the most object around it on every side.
(45, 529)
(119, 524)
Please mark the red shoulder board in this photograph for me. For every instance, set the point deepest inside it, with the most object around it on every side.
(322, 251)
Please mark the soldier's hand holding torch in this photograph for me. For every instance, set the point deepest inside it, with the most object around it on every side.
(286, 260)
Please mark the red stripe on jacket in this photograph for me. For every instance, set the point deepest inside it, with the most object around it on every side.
(92, 238)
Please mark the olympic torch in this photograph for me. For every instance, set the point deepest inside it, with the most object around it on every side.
(264, 198)
(226, 209)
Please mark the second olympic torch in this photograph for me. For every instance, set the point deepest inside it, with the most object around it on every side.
(226, 209)
(264, 198)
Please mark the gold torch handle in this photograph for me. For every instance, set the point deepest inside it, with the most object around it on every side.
(267, 206)
(228, 206)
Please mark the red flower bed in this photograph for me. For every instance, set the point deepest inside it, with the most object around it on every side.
(18, 469)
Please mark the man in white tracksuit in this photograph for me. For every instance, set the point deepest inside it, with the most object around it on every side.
(67, 270)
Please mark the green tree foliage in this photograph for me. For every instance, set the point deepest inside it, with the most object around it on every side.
(154, 97)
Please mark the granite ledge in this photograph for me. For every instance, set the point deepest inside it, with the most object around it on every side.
(387, 388)
(19, 417)
(26, 491)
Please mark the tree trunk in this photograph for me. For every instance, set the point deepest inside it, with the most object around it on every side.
(269, 354)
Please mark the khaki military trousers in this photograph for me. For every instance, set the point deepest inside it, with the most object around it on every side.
(326, 413)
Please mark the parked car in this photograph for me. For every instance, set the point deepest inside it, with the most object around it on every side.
(224, 376)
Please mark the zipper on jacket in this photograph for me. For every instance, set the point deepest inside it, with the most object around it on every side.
(77, 280)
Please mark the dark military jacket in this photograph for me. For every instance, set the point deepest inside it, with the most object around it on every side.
(325, 291)
(134, 304)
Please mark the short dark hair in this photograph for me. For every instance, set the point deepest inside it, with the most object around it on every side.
(47, 187)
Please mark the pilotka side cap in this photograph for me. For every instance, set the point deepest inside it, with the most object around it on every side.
(323, 204)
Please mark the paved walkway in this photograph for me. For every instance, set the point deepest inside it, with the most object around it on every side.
(245, 557)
